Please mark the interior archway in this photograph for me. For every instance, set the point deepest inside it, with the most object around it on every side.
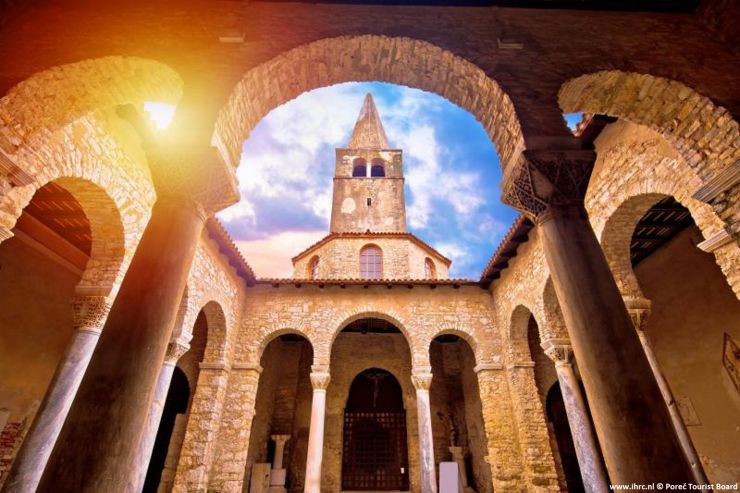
(374, 444)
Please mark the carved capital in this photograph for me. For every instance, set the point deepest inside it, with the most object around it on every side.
(320, 380)
(639, 311)
(422, 381)
(90, 312)
(5, 233)
(560, 352)
(547, 177)
(194, 171)
(279, 439)
(175, 350)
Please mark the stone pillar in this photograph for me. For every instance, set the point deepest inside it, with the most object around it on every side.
(279, 440)
(634, 429)
(593, 474)
(89, 316)
(320, 381)
(234, 428)
(97, 448)
(422, 380)
(498, 419)
(175, 350)
(459, 457)
(639, 310)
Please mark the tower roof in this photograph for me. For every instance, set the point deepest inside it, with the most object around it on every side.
(368, 132)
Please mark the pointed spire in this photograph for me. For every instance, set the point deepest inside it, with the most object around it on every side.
(368, 132)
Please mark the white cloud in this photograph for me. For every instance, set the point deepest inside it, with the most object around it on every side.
(270, 257)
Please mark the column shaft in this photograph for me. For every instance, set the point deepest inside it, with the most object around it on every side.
(422, 382)
(97, 447)
(631, 420)
(30, 462)
(594, 476)
(683, 434)
(320, 381)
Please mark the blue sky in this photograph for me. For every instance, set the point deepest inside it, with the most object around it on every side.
(451, 168)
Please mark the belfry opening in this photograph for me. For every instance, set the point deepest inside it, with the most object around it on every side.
(399, 246)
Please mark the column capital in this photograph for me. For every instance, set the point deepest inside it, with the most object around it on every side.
(90, 312)
(280, 439)
(422, 380)
(175, 350)
(542, 178)
(639, 311)
(559, 351)
(320, 380)
(5, 233)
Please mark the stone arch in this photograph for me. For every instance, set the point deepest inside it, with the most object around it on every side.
(217, 331)
(705, 135)
(518, 345)
(462, 334)
(73, 90)
(396, 60)
(322, 353)
(266, 337)
(552, 315)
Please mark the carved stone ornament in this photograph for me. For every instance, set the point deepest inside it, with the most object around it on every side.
(421, 381)
(560, 353)
(544, 178)
(90, 312)
(175, 350)
(320, 380)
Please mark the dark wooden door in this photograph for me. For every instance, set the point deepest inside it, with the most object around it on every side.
(375, 454)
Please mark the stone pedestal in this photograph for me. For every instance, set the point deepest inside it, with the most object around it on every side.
(422, 380)
(587, 447)
(97, 448)
(320, 381)
(458, 455)
(90, 313)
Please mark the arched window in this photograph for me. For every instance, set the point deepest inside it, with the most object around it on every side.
(430, 271)
(377, 169)
(359, 167)
(371, 262)
(313, 268)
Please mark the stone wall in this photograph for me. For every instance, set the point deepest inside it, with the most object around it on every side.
(339, 258)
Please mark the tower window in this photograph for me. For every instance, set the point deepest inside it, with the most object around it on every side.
(313, 268)
(369, 201)
(430, 271)
(377, 169)
(371, 262)
(359, 168)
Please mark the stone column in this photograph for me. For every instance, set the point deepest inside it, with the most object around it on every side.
(633, 425)
(594, 476)
(279, 440)
(175, 350)
(422, 380)
(97, 448)
(639, 310)
(320, 378)
(90, 313)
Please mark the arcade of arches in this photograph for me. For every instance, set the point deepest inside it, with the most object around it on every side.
(138, 350)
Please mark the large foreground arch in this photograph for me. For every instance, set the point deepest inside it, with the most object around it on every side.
(402, 61)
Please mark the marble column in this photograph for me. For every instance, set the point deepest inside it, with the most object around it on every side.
(639, 310)
(175, 350)
(97, 448)
(280, 441)
(632, 423)
(422, 380)
(90, 313)
(320, 378)
(593, 474)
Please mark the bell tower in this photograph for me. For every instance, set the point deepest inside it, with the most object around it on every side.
(368, 180)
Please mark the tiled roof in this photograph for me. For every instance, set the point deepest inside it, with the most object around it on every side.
(371, 234)
(517, 234)
(369, 282)
(227, 247)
